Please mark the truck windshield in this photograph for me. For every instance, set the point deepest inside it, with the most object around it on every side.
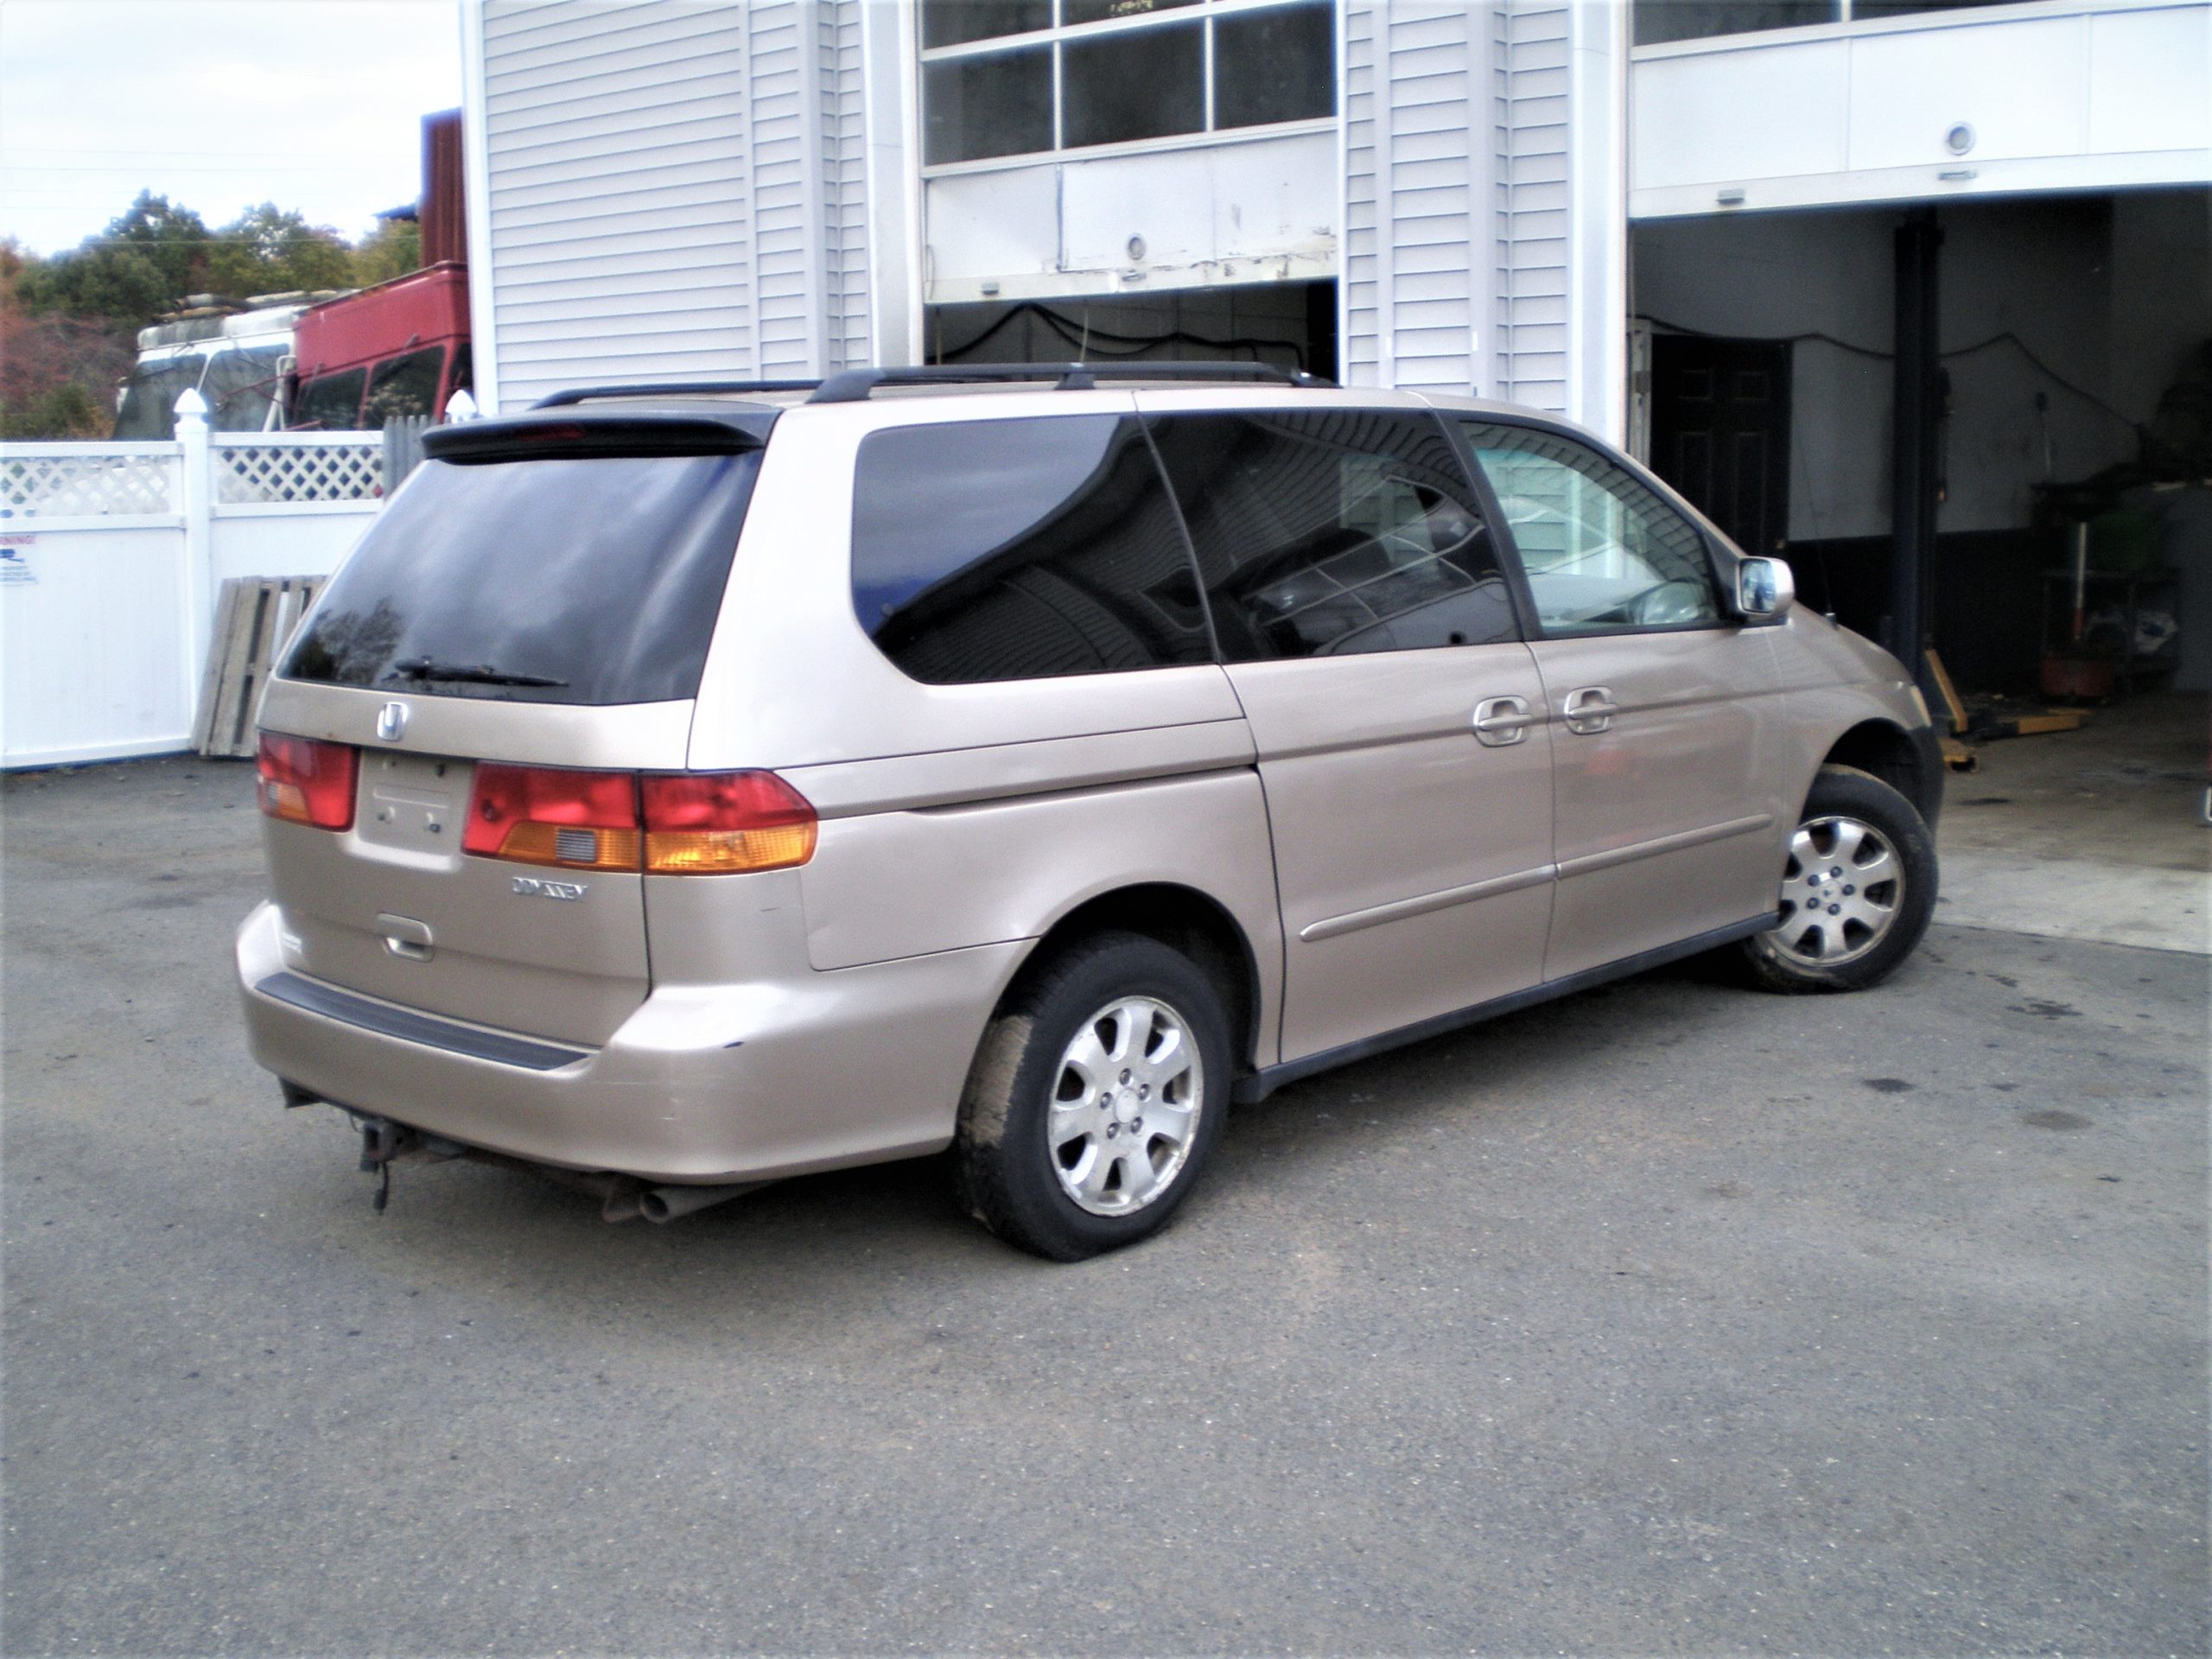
(239, 386)
(576, 581)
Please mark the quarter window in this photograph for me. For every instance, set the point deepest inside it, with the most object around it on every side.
(1021, 549)
(1330, 534)
(1601, 551)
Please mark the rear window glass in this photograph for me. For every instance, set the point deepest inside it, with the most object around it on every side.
(1021, 549)
(575, 581)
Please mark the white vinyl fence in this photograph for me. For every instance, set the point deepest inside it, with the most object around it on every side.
(110, 558)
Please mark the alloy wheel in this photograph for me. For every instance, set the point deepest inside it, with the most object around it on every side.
(1125, 1107)
(1843, 890)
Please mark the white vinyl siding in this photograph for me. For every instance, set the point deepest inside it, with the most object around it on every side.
(1411, 196)
(673, 191)
(1531, 78)
(1456, 198)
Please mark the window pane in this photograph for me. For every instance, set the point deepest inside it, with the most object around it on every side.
(1094, 11)
(604, 575)
(1659, 21)
(406, 385)
(1863, 9)
(999, 104)
(1147, 83)
(1277, 65)
(1020, 550)
(1328, 534)
(1601, 551)
(239, 386)
(332, 404)
(948, 22)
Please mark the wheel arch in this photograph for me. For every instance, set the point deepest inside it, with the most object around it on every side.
(1912, 765)
(1185, 919)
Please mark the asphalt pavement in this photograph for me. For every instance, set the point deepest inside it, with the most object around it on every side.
(1671, 1317)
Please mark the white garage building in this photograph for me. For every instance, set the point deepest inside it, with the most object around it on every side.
(1855, 274)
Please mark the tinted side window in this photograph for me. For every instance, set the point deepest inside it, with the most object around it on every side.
(333, 402)
(1021, 550)
(406, 385)
(1332, 532)
(1602, 552)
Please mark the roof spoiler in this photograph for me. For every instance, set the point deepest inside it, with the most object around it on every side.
(595, 436)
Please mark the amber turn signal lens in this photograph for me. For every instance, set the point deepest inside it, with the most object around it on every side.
(708, 852)
(725, 822)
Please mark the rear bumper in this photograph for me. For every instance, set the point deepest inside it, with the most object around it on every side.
(702, 1084)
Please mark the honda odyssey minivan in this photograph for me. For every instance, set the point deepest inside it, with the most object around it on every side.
(683, 788)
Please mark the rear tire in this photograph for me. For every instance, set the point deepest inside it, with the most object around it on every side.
(1096, 1095)
(1856, 891)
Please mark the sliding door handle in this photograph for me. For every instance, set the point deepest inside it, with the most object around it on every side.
(1588, 710)
(1500, 721)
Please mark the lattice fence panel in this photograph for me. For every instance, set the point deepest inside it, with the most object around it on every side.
(72, 486)
(249, 473)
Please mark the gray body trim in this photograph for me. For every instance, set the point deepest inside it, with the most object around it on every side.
(1673, 843)
(410, 1025)
(1262, 1084)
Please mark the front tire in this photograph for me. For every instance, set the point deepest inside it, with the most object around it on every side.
(1856, 891)
(1096, 1096)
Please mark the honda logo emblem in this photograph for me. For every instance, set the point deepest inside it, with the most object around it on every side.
(391, 721)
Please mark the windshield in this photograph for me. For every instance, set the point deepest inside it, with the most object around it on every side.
(584, 581)
(239, 384)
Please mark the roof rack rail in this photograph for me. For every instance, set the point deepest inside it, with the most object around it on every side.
(853, 385)
(671, 389)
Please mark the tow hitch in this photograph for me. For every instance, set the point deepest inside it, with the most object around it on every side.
(622, 1198)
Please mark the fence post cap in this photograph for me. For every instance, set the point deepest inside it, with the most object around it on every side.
(460, 406)
(190, 405)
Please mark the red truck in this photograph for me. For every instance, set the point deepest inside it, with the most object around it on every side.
(398, 349)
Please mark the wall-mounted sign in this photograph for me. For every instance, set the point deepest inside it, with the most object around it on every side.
(16, 567)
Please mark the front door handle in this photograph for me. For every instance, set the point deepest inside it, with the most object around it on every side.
(1588, 710)
(1500, 721)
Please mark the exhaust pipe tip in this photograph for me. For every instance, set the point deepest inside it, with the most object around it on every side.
(667, 1204)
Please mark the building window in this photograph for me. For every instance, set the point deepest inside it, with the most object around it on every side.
(1026, 77)
(1658, 22)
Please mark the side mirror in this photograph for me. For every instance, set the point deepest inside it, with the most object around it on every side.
(1764, 590)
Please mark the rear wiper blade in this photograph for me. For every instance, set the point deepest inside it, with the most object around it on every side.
(424, 668)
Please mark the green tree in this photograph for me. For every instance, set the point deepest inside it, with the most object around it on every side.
(143, 263)
(393, 249)
(271, 250)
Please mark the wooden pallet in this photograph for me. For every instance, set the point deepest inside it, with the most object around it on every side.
(254, 619)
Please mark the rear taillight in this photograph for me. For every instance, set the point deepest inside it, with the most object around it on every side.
(668, 824)
(703, 823)
(303, 781)
(534, 814)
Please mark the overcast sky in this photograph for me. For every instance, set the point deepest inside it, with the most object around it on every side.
(219, 104)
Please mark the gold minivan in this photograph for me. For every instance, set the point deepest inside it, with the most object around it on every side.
(683, 788)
